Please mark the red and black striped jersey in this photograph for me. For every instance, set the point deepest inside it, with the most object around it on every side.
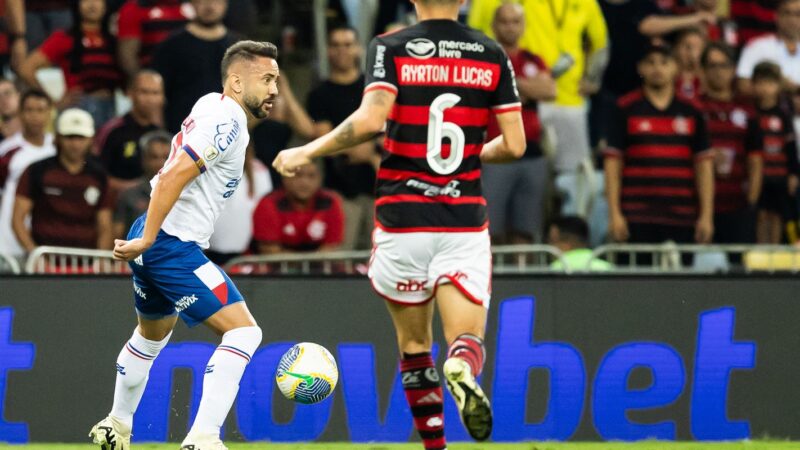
(735, 136)
(754, 18)
(152, 22)
(447, 78)
(658, 149)
(780, 154)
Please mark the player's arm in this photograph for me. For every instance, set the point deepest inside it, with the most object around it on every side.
(171, 182)
(510, 144)
(22, 209)
(704, 178)
(364, 124)
(542, 87)
(755, 177)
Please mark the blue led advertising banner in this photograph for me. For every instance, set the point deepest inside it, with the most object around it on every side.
(569, 358)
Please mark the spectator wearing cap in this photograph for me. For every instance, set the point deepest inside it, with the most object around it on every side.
(737, 142)
(86, 55)
(570, 234)
(32, 143)
(689, 46)
(658, 165)
(9, 108)
(300, 217)
(780, 155)
(516, 191)
(117, 142)
(189, 60)
(133, 202)
(143, 25)
(66, 197)
(781, 48)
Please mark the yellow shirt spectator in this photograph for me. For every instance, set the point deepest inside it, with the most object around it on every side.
(553, 27)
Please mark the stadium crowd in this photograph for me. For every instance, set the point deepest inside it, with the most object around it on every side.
(646, 121)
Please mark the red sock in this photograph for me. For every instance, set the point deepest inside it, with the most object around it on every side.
(469, 348)
(425, 397)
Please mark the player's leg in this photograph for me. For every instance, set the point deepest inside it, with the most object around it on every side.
(463, 274)
(156, 317)
(421, 381)
(228, 316)
(398, 272)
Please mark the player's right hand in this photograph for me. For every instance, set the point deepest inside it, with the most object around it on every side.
(129, 250)
(289, 161)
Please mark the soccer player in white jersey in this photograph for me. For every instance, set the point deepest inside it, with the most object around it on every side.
(171, 275)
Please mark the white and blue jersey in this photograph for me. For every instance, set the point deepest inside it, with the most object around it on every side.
(174, 276)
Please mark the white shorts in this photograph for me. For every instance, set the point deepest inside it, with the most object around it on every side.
(407, 268)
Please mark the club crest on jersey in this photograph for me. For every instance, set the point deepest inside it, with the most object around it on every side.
(421, 48)
(210, 153)
(226, 134)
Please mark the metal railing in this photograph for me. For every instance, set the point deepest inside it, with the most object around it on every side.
(698, 259)
(9, 263)
(511, 259)
(73, 261)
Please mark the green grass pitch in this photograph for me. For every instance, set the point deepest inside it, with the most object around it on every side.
(746, 445)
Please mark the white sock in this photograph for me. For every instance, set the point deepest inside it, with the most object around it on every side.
(221, 380)
(133, 367)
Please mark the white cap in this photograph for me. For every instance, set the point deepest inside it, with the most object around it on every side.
(75, 122)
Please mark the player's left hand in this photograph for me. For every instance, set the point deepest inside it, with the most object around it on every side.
(288, 161)
(704, 230)
(129, 250)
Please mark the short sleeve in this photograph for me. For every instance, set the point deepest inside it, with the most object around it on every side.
(24, 184)
(747, 61)
(130, 21)
(56, 47)
(381, 71)
(617, 133)
(754, 139)
(208, 137)
(506, 97)
(266, 222)
(334, 222)
(701, 142)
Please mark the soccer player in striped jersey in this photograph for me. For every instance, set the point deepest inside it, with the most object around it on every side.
(171, 275)
(432, 87)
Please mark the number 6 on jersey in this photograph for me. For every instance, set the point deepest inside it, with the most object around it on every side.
(438, 129)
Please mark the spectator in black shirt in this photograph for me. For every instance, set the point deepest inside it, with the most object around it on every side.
(352, 173)
(133, 202)
(117, 143)
(189, 60)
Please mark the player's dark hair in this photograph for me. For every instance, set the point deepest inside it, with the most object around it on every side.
(721, 47)
(766, 70)
(154, 136)
(34, 93)
(341, 27)
(249, 51)
(572, 228)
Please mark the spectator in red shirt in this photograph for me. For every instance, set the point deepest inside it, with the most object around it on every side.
(688, 48)
(659, 166)
(300, 217)
(516, 191)
(67, 196)
(143, 24)
(737, 142)
(719, 30)
(85, 53)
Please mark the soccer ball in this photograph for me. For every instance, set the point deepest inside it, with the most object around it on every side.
(307, 373)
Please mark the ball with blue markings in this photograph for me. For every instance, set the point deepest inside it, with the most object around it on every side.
(307, 373)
